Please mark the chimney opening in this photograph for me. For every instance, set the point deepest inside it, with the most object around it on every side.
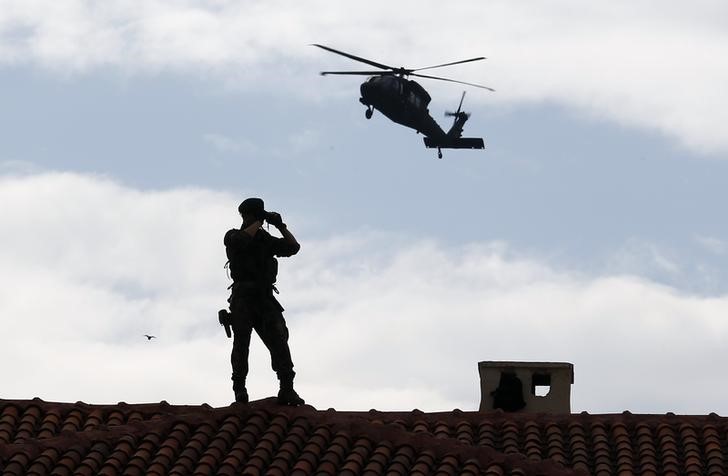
(540, 384)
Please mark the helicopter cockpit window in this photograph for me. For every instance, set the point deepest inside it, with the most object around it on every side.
(414, 100)
(389, 84)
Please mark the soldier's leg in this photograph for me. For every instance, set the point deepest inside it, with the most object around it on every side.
(241, 348)
(274, 334)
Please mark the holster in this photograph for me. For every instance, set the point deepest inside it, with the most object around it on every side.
(225, 319)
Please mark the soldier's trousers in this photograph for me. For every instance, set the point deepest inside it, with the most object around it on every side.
(264, 314)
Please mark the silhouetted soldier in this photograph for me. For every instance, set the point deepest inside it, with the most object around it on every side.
(253, 267)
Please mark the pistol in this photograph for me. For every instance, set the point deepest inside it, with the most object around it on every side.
(225, 319)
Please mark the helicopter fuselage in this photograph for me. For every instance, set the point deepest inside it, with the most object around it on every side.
(401, 100)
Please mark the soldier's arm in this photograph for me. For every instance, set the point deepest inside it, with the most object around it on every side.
(253, 228)
(290, 240)
(240, 238)
(288, 245)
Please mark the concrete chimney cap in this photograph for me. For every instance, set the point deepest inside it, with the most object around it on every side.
(536, 366)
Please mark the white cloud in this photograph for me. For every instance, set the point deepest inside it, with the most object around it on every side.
(304, 140)
(226, 144)
(89, 265)
(19, 167)
(643, 258)
(712, 244)
(651, 64)
(221, 142)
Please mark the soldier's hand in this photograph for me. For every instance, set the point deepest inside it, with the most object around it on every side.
(274, 219)
(253, 228)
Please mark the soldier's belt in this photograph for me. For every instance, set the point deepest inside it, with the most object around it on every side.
(252, 286)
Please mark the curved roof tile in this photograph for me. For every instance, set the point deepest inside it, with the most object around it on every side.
(42, 438)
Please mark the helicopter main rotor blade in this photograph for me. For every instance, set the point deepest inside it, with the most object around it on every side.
(355, 58)
(461, 102)
(450, 64)
(360, 73)
(452, 81)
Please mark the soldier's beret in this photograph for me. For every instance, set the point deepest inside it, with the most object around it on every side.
(252, 206)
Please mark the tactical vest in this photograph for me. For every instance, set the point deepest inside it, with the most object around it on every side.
(255, 265)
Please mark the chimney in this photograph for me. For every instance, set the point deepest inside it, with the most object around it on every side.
(534, 387)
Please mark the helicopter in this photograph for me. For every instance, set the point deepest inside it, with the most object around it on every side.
(405, 101)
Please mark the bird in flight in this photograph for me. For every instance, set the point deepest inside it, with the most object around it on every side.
(149, 337)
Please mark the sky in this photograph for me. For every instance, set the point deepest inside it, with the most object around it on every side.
(590, 230)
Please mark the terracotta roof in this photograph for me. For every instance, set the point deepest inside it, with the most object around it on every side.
(42, 438)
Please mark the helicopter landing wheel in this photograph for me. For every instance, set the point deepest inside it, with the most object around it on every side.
(439, 154)
(368, 113)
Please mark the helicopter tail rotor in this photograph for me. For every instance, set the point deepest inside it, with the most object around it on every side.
(458, 113)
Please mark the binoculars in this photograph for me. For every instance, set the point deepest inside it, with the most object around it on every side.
(272, 217)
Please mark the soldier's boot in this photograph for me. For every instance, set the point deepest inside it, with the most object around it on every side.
(241, 393)
(241, 396)
(288, 396)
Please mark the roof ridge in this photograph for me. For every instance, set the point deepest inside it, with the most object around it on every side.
(165, 407)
